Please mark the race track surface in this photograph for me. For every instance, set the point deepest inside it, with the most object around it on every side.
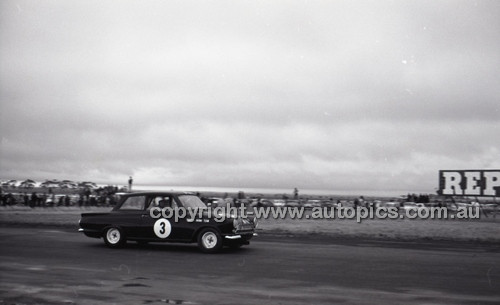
(58, 266)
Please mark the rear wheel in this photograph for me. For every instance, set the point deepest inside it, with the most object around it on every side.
(114, 238)
(209, 241)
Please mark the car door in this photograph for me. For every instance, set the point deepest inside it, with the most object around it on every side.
(129, 216)
(195, 212)
(159, 220)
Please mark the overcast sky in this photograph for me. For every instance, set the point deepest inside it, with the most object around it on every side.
(336, 95)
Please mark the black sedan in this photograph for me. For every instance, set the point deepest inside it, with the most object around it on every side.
(168, 217)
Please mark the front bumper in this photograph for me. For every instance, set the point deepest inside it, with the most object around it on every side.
(238, 236)
(90, 233)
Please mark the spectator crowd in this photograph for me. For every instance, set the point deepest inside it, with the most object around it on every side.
(51, 197)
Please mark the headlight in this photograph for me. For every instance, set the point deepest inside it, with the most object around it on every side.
(255, 222)
(237, 223)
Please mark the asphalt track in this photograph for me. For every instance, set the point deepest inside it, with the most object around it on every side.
(57, 266)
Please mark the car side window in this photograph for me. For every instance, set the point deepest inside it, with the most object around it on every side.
(134, 203)
(162, 202)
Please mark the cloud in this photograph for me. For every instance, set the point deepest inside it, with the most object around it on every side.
(341, 95)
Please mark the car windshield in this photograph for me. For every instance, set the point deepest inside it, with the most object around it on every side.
(191, 201)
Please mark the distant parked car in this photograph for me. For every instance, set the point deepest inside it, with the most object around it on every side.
(490, 208)
(261, 203)
(387, 204)
(412, 206)
(214, 202)
(292, 203)
(312, 204)
(327, 203)
(279, 202)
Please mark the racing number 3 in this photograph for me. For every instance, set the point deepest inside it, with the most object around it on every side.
(162, 228)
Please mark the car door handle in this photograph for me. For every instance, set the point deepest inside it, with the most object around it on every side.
(144, 215)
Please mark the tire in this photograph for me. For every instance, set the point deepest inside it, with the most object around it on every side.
(114, 238)
(209, 241)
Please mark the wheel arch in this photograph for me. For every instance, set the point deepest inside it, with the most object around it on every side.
(108, 226)
(194, 238)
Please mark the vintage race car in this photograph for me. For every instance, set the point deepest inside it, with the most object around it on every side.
(168, 217)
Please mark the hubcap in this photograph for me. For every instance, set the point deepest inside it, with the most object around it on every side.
(113, 236)
(209, 240)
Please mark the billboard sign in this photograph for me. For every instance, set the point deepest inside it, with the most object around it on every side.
(470, 182)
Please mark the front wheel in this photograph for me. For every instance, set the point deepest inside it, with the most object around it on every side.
(114, 238)
(209, 241)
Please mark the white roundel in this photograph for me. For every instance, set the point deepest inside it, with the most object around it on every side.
(162, 228)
